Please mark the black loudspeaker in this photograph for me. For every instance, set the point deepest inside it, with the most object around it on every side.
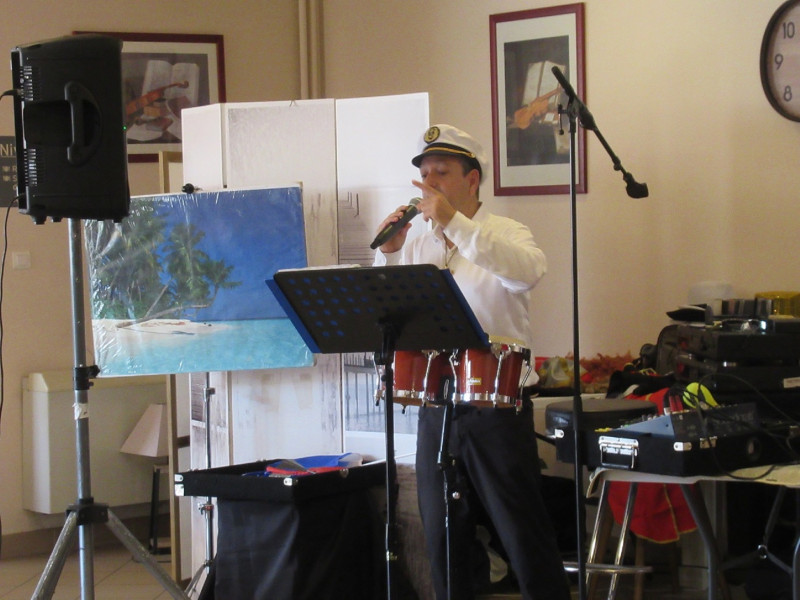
(70, 129)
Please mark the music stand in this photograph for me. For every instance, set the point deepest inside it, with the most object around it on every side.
(379, 309)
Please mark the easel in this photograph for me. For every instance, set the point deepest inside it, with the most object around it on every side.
(380, 309)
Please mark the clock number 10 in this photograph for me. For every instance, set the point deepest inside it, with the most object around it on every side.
(788, 29)
(788, 34)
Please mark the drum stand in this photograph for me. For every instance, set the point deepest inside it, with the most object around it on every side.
(446, 464)
(85, 513)
(385, 357)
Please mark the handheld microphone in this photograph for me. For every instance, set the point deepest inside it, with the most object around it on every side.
(392, 229)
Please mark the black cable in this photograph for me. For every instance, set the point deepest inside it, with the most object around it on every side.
(706, 414)
(2, 281)
(760, 396)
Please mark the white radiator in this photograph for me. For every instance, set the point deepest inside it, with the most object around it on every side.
(49, 476)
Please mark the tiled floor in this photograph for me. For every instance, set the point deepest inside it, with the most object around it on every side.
(117, 577)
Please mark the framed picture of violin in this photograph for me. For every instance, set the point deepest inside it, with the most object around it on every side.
(162, 74)
(530, 130)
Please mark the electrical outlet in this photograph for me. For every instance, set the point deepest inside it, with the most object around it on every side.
(21, 260)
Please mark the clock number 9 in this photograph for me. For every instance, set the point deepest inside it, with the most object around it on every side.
(778, 61)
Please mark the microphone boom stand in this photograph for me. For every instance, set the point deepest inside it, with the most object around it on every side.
(577, 404)
(577, 111)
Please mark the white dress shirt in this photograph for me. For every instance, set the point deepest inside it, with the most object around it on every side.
(496, 263)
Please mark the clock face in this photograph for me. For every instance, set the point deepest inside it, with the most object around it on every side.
(780, 60)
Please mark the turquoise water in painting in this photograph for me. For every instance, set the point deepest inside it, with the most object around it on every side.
(215, 346)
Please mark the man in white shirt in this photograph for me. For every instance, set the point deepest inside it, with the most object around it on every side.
(495, 262)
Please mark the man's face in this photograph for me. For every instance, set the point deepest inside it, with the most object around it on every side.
(446, 174)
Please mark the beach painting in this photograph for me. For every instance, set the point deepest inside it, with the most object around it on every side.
(178, 286)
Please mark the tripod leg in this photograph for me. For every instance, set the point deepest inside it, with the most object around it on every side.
(55, 564)
(141, 554)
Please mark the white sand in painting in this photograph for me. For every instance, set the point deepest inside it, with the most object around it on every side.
(119, 327)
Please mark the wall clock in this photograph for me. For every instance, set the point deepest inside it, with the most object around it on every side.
(780, 60)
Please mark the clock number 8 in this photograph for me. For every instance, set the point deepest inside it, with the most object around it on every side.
(787, 93)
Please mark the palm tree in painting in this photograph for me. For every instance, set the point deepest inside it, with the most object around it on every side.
(141, 273)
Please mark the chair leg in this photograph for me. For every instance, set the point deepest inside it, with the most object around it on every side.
(674, 566)
(638, 579)
(604, 533)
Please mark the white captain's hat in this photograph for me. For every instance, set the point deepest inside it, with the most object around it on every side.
(447, 140)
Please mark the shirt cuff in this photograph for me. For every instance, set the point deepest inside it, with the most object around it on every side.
(460, 229)
(392, 258)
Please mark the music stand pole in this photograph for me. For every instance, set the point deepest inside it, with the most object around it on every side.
(385, 357)
(82, 515)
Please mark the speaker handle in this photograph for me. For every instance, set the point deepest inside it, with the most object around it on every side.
(78, 151)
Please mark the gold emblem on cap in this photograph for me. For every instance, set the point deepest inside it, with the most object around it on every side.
(431, 135)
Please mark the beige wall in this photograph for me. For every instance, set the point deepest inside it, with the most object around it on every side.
(674, 87)
(261, 62)
(675, 90)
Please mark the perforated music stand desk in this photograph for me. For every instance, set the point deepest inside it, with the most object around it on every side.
(379, 309)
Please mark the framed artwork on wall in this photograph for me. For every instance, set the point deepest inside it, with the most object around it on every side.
(530, 142)
(162, 74)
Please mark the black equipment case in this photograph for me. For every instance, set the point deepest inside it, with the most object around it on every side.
(314, 536)
(691, 443)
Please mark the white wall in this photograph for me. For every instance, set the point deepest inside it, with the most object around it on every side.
(675, 90)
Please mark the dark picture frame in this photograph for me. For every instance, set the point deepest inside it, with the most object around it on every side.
(179, 71)
(530, 154)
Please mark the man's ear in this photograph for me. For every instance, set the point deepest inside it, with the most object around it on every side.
(474, 178)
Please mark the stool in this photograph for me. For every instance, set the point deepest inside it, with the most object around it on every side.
(638, 579)
(597, 546)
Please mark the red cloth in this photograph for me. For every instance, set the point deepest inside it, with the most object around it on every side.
(660, 512)
(298, 473)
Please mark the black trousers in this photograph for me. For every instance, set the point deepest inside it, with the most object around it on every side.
(496, 473)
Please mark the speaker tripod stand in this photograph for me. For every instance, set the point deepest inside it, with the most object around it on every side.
(85, 513)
